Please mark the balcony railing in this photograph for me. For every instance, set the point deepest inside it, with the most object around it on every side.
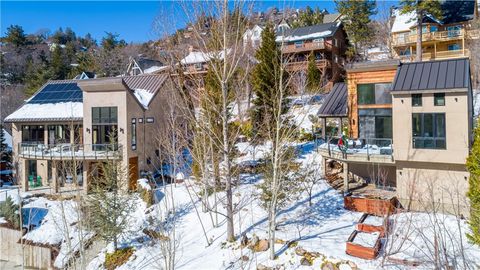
(307, 46)
(426, 56)
(437, 36)
(302, 65)
(359, 150)
(69, 151)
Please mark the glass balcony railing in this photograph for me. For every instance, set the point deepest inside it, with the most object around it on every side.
(67, 150)
(361, 149)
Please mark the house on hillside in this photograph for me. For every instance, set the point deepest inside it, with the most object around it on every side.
(253, 37)
(330, 18)
(410, 131)
(140, 66)
(327, 42)
(442, 38)
(196, 62)
(66, 129)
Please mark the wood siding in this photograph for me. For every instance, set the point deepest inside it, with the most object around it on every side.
(363, 77)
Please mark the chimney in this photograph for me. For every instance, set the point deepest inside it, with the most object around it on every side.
(190, 48)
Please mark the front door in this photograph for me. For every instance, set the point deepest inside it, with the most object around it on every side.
(133, 173)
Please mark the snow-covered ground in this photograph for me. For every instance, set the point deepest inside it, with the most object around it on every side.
(324, 227)
(56, 223)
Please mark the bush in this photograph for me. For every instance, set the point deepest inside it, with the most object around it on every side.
(118, 258)
(305, 136)
(9, 211)
(147, 196)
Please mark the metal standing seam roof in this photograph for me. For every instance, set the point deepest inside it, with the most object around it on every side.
(432, 75)
(335, 103)
(151, 83)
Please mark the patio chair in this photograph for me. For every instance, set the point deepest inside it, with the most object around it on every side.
(30, 181)
(39, 181)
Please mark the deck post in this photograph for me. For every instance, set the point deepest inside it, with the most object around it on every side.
(86, 168)
(54, 176)
(24, 174)
(324, 128)
(340, 127)
(345, 177)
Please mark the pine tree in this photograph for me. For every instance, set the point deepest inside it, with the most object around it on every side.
(313, 74)
(473, 166)
(58, 65)
(15, 35)
(265, 80)
(5, 153)
(421, 9)
(308, 17)
(109, 209)
(356, 20)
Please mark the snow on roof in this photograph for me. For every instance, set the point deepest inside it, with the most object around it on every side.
(308, 32)
(201, 57)
(143, 96)
(154, 69)
(403, 22)
(47, 111)
(310, 36)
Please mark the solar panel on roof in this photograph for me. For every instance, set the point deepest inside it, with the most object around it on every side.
(58, 92)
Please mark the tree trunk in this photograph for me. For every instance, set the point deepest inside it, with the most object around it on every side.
(419, 36)
(228, 179)
(271, 231)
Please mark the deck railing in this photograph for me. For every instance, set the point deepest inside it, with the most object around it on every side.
(69, 151)
(427, 56)
(369, 149)
(307, 46)
(436, 36)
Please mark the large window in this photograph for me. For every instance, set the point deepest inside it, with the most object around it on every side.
(375, 124)
(428, 130)
(378, 93)
(58, 134)
(104, 126)
(33, 133)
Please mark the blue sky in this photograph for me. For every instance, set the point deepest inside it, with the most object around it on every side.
(133, 20)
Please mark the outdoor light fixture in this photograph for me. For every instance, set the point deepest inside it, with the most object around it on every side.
(88, 130)
(121, 130)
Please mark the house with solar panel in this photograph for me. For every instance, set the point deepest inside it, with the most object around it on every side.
(410, 128)
(74, 121)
